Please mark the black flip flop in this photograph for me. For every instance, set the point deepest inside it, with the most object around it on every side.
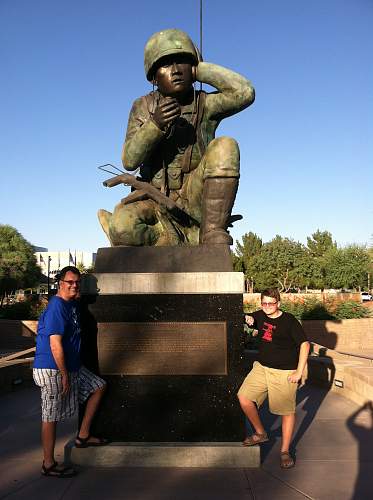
(84, 442)
(55, 470)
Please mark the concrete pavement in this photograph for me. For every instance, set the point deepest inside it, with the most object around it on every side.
(334, 444)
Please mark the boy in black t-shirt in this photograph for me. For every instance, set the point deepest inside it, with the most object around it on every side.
(283, 352)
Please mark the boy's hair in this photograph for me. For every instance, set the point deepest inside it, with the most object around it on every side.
(271, 292)
(61, 275)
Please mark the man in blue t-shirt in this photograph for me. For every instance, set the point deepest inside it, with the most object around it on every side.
(283, 353)
(64, 382)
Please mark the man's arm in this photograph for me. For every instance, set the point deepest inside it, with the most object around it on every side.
(303, 356)
(59, 358)
(235, 91)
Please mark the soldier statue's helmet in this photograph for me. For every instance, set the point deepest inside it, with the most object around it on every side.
(164, 43)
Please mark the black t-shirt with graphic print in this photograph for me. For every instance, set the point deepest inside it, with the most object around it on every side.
(280, 339)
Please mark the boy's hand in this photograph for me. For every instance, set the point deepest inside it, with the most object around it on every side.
(249, 320)
(294, 377)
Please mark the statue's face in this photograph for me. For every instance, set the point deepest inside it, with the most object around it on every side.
(173, 76)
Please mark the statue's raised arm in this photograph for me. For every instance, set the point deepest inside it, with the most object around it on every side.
(171, 137)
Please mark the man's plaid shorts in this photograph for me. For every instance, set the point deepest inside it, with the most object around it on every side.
(54, 406)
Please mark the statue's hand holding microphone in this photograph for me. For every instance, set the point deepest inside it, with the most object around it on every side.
(167, 111)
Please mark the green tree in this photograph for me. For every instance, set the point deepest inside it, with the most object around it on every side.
(347, 267)
(238, 264)
(307, 272)
(250, 246)
(281, 263)
(370, 272)
(18, 267)
(83, 269)
(243, 256)
(320, 242)
(318, 245)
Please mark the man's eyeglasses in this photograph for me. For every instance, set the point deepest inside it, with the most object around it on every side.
(72, 282)
(269, 304)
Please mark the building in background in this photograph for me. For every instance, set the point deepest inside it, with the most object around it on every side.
(40, 249)
(51, 263)
(55, 261)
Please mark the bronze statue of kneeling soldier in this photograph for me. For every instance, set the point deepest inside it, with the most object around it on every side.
(189, 177)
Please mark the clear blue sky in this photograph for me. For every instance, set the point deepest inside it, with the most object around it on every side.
(70, 71)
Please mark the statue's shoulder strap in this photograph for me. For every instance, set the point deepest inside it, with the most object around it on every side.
(202, 97)
(150, 101)
(201, 108)
(196, 122)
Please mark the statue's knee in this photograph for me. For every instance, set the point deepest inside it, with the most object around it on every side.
(223, 158)
(134, 224)
(225, 144)
(124, 217)
(123, 225)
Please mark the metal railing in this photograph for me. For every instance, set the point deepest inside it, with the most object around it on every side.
(14, 358)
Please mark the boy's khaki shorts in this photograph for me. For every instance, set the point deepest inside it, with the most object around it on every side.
(263, 381)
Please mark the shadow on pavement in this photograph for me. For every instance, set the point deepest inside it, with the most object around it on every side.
(362, 430)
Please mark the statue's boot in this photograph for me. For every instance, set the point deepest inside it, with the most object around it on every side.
(104, 217)
(218, 197)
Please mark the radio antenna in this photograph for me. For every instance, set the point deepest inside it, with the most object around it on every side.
(200, 34)
(200, 26)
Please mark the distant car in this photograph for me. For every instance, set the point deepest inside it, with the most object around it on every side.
(365, 296)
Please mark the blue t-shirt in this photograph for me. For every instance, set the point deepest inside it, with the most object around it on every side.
(61, 317)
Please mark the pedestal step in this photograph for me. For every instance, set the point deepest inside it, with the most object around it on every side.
(215, 455)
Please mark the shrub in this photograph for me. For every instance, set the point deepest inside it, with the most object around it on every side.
(37, 308)
(29, 309)
(312, 308)
(318, 311)
(250, 307)
(330, 309)
(307, 308)
(18, 310)
(350, 310)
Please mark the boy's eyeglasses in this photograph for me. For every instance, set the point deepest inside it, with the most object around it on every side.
(269, 304)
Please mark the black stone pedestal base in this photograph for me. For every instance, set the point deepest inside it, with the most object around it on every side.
(170, 347)
(211, 455)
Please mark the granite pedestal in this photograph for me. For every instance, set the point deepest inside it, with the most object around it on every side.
(209, 455)
(169, 343)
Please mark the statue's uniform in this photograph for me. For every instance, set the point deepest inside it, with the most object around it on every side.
(179, 160)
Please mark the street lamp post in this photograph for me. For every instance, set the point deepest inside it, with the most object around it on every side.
(48, 272)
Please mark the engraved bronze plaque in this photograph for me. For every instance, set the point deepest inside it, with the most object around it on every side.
(198, 348)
